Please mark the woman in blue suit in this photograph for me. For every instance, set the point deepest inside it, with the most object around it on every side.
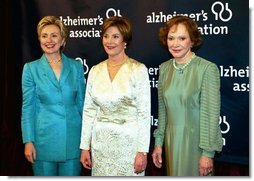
(53, 90)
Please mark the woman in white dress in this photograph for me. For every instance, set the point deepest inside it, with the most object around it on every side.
(116, 116)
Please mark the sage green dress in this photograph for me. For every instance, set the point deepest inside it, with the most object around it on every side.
(189, 109)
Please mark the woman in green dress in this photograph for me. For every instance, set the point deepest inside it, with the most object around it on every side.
(189, 104)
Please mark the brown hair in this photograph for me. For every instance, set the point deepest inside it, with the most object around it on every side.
(52, 20)
(122, 23)
(191, 27)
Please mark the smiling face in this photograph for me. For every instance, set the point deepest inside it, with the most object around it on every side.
(51, 39)
(178, 41)
(113, 42)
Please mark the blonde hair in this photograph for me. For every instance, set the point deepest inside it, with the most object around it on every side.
(52, 20)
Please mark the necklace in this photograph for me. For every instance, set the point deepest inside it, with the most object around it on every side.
(116, 65)
(180, 69)
(55, 61)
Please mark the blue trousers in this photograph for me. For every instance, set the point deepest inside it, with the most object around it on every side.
(67, 168)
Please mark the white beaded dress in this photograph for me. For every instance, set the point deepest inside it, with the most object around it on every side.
(116, 118)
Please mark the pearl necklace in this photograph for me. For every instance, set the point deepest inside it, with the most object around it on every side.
(180, 69)
(119, 64)
(115, 65)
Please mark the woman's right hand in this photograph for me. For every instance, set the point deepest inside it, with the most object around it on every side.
(157, 156)
(30, 152)
(85, 159)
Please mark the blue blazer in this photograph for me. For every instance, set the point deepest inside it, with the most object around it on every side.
(52, 110)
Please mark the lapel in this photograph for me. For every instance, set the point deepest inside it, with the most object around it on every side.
(66, 69)
(48, 72)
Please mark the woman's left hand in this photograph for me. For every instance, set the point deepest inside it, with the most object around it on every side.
(205, 165)
(140, 162)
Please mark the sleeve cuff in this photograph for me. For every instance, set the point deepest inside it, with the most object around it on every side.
(158, 142)
(209, 154)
